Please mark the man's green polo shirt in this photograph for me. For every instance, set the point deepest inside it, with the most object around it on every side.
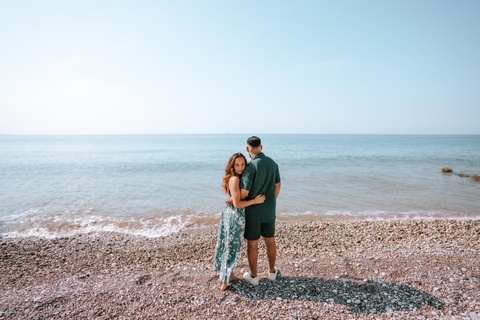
(260, 177)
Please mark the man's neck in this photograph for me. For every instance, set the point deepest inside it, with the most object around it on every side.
(252, 155)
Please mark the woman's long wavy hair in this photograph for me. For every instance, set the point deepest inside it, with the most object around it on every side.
(230, 170)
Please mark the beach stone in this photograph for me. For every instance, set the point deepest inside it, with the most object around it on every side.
(447, 170)
(463, 175)
(142, 279)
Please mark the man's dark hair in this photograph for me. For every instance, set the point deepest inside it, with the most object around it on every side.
(254, 141)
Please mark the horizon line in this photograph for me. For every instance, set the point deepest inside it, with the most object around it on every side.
(155, 134)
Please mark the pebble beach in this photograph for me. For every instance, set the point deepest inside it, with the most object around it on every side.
(405, 269)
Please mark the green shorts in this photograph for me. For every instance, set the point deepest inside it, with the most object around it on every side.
(254, 229)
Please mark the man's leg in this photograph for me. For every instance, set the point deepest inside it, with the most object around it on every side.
(252, 254)
(271, 253)
(268, 234)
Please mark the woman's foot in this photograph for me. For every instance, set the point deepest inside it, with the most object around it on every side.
(234, 278)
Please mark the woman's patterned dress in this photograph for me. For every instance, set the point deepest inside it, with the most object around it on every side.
(230, 234)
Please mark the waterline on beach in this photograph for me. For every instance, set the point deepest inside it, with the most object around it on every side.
(66, 224)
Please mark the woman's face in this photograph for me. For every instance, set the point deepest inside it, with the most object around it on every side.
(239, 165)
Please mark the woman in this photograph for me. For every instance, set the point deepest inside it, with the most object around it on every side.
(232, 222)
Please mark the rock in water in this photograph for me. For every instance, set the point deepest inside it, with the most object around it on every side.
(463, 175)
(447, 170)
(476, 178)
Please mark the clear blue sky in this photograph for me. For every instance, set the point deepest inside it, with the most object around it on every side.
(253, 67)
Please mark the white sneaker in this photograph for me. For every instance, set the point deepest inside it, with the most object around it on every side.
(273, 276)
(248, 277)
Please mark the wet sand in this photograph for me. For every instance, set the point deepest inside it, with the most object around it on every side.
(339, 270)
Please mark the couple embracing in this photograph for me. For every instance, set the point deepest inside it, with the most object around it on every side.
(252, 192)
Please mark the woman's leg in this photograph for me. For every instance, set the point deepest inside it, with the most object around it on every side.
(234, 233)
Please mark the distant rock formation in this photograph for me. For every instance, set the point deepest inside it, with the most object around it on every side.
(476, 178)
(447, 170)
(463, 175)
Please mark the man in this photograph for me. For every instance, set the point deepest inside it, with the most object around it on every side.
(261, 176)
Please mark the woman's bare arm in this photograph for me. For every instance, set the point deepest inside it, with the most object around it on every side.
(234, 186)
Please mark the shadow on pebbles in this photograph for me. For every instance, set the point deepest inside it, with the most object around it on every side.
(361, 296)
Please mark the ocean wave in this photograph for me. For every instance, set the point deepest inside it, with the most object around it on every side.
(67, 224)
(374, 215)
(34, 223)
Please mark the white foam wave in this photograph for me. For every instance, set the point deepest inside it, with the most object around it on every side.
(158, 224)
(63, 225)
(374, 215)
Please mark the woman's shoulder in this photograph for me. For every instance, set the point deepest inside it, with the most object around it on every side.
(234, 179)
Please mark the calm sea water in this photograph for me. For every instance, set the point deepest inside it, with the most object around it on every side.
(154, 185)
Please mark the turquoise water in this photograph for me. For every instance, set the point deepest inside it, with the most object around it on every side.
(157, 184)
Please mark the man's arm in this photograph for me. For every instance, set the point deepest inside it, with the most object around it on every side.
(277, 189)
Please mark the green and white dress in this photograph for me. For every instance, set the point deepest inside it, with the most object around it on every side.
(230, 234)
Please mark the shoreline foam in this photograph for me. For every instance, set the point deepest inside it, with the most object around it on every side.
(154, 226)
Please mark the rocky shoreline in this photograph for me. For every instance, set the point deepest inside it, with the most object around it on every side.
(339, 270)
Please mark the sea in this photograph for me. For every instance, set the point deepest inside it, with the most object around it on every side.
(156, 185)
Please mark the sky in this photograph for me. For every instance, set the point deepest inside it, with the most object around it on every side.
(249, 67)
